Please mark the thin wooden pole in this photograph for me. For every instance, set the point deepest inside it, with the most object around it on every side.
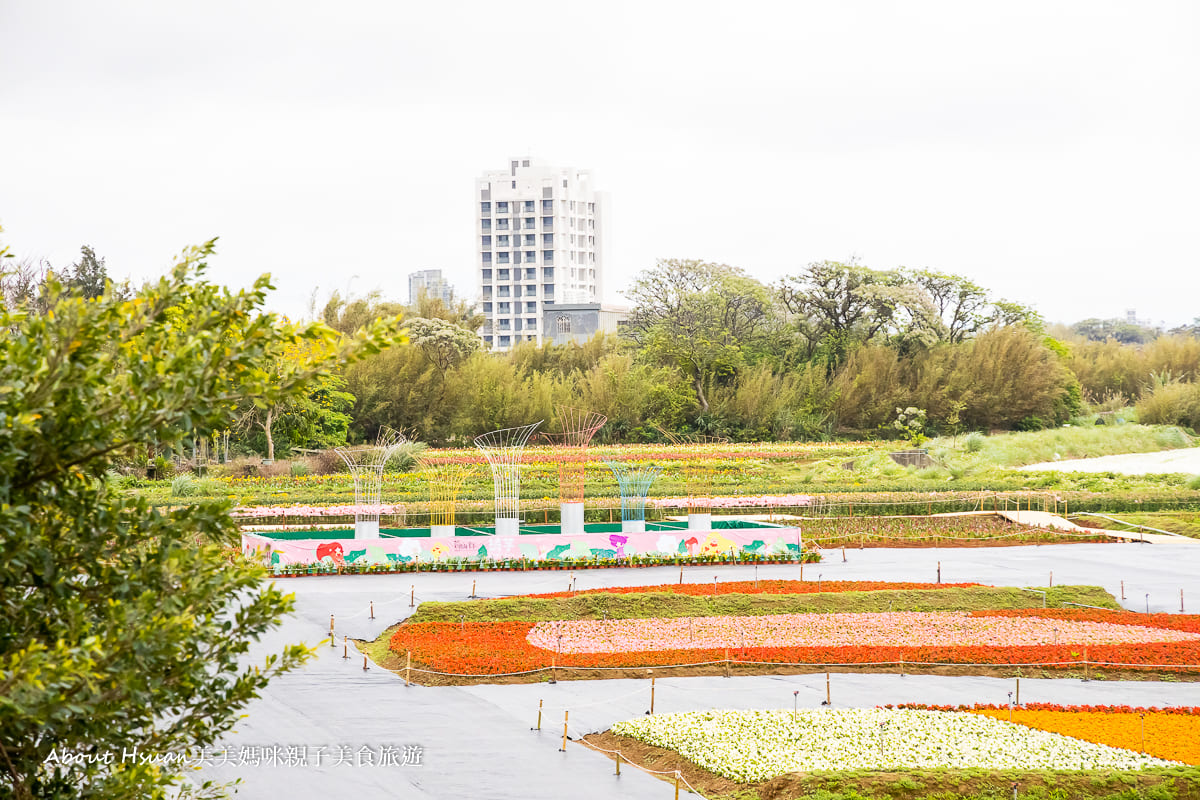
(676, 784)
(372, 610)
(618, 762)
(365, 667)
(566, 714)
(1018, 690)
(539, 724)
(412, 598)
(345, 647)
(652, 679)
(407, 667)
(828, 697)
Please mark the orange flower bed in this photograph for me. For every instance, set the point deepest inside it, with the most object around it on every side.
(1175, 737)
(494, 648)
(760, 587)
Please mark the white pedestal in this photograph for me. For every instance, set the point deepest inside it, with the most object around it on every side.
(699, 522)
(572, 517)
(633, 526)
(437, 531)
(507, 526)
(366, 529)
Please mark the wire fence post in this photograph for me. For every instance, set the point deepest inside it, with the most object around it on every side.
(676, 784)
(618, 763)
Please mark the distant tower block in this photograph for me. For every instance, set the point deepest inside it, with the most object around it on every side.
(366, 463)
(634, 481)
(576, 429)
(697, 478)
(503, 450)
(445, 482)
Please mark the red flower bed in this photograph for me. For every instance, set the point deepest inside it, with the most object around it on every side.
(493, 648)
(762, 587)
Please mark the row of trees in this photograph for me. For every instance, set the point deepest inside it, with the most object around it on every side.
(832, 350)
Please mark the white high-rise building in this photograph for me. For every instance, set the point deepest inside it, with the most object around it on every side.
(539, 240)
(432, 283)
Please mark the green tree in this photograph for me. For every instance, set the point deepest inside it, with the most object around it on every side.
(698, 315)
(444, 344)
(88, 275)
(120, 631)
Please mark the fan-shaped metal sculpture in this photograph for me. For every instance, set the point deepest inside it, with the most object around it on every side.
(634, 481)
(697, 478)
(445, 482)
(503, 449)
(576, 428)
(366, 463)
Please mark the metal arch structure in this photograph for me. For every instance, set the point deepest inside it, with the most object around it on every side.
(576, 427)
(698, 480)
(634, 481)
(366, 463)
(445, 482)
(503, 450)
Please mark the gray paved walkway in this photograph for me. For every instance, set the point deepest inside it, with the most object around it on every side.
(477, 741)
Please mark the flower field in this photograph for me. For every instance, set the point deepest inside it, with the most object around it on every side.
(753, 746)
(880, 630)
(759, 587)
(1164, 734)
(495, 648)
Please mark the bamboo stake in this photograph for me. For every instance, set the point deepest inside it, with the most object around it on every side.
(676, 784)
(828, 697)
(564, 745)
(407, 667)
(365, 667)
(412, 598)
(618, 762)
(345, 648)
(539, 724)
(652, 679)
(372, 610)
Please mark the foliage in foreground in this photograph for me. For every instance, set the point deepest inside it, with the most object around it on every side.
(124, 626)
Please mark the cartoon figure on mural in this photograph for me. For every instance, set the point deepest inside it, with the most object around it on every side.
(332, 551)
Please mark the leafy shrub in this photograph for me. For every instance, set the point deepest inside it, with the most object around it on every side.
(1171, 402)
(1172, 438)
(184, 486)
(1194, 483)
(299, 469)
(974, 442)
(1030, 424)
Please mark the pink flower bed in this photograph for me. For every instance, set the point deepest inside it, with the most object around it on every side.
(746, 501)
(315, 511)
(891, 629)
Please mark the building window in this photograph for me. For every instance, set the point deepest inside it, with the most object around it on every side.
(501, 224)
(487, 275)
(501, 258)
(504, 341)
(502, 291)
(562, 324)
(517, 257)
(547, 240)
(502, 241)
(547, 223)
(547, 206)
(530, 240)
(548, 289)
(531, 273)
(487, 292)
(485, 224)
(487, 340)
(485, 208)
(547, 256)
(487, 258)
(548, 274)
(502, 275)
(527, 206)
(504, 324)
(530, 308)
(530, 223)
(487, 308)
(531, 323)
(487, 241)
(502, 207)
(525, 163)
(516, 324)
(531, 256)
(591, 208)
(504, 308)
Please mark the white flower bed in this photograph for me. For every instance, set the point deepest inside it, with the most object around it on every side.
(752, 746)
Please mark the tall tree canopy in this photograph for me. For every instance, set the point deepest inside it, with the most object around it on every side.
(123, 629)
(698, 315)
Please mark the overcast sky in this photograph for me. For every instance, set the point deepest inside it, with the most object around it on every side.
(1048, 150)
